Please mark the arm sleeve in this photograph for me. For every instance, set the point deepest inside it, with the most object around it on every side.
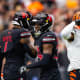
(42, 63)
(66, 32)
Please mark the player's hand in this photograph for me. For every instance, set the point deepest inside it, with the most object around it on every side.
(23, 69)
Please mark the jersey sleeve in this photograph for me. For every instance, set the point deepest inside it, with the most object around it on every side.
(25, 34)
(20, 33)
(66, 32)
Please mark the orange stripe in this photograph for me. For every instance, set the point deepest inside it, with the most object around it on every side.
(1, 74)
(72, 74)
(72, 78)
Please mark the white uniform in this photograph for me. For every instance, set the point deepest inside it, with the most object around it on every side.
(73, 48)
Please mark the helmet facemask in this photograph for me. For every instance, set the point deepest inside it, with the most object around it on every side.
(36, 26)
(43, 22)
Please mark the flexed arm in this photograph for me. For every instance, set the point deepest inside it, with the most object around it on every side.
(68, 32)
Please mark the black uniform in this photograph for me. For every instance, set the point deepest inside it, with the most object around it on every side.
(49, 69)
(14, 51)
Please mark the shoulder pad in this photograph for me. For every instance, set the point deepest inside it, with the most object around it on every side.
(49, 38)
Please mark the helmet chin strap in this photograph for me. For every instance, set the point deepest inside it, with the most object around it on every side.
(37, 34)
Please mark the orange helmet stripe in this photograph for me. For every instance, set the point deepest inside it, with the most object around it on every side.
(76, 16)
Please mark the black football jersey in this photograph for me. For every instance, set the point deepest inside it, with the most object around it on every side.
(11, 46)
(47, 38)
(9, 38)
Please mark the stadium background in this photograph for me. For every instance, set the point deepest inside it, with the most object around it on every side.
(62, 10)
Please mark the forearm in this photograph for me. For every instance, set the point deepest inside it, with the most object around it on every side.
(33, 50)
(30, 51)
(42, 63)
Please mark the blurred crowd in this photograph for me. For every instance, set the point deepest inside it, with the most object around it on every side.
(62, 10)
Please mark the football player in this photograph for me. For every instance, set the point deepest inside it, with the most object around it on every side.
(46, 43)
(71, 36)
(14, 44)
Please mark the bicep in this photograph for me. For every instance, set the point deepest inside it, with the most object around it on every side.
(47, 48)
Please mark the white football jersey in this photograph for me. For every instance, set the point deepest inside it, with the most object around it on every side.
(73, 48)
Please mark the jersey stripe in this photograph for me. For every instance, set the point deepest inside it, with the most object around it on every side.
(5, 47)
(25, 34)
(48, 39)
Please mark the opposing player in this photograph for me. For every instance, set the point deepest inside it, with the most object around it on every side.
(14, 44)
(46, 43)
(71, 37)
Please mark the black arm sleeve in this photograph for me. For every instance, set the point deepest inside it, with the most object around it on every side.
(42, 63)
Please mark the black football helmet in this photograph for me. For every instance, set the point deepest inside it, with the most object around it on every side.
(76, 18)
(22, 18)
(45, 21)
